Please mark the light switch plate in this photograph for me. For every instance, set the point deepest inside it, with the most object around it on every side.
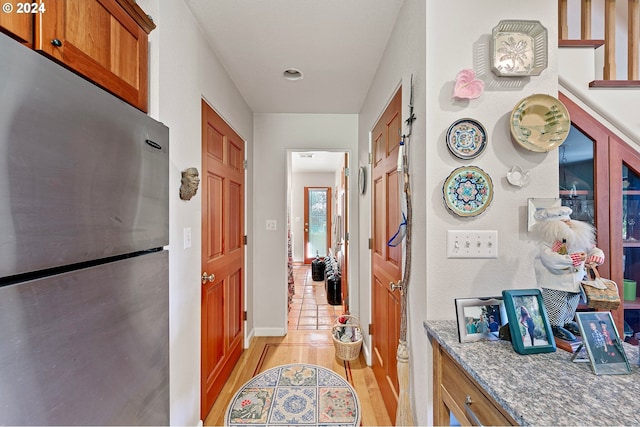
(472, 244)
(186, 237)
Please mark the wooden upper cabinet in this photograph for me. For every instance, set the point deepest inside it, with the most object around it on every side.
(103, 40)
(16, 23)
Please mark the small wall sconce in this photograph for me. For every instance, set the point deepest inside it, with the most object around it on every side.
(190, 182)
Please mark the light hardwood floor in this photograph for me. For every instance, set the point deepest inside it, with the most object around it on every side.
(303, 346)
(307, 341)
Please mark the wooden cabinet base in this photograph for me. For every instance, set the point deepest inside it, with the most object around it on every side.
(456, 393)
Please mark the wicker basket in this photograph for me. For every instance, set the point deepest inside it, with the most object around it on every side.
(606, 299)
(349, 350)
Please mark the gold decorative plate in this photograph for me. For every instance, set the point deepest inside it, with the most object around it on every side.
(540, 123)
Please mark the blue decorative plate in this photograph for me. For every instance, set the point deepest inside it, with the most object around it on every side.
(467, 191)
(466, 138)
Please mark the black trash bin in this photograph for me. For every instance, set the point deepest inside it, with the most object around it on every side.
(317, 269)
(334, 290)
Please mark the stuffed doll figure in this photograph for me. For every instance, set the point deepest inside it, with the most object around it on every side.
(565, 246)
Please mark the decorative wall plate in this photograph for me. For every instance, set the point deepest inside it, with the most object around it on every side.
(362, 179)
(519, 48)
(540, 123)
(467, 191)
(466, 138)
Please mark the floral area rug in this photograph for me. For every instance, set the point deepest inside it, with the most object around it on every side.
(299, 394)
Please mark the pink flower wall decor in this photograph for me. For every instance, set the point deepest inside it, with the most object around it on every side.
(467, 86)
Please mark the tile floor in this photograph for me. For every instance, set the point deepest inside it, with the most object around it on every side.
(309, 308)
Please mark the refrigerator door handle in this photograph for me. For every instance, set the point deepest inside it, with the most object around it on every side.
(211, 277)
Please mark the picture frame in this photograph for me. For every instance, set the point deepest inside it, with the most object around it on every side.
(537, 203)
(479, 318)
(528, 321)
(603, 344)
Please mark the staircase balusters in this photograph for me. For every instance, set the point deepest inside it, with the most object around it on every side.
(634, 37)
(585, 20)
(609, 71)
(609, 16)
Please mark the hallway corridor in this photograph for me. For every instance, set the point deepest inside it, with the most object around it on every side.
(309, 309)
(308, 341)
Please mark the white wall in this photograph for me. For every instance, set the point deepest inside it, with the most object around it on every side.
(298, 182)
(435, 280)
(183, 69)
(273, 135)
(451, 278)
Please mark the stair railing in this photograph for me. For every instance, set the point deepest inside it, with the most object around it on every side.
(609, 16)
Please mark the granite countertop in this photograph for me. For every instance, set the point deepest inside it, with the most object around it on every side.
(547, 388)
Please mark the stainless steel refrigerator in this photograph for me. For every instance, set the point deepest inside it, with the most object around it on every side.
(84, 214)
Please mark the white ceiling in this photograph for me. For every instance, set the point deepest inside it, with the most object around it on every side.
(337, 44)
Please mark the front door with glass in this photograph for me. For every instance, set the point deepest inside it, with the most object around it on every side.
(317, 222)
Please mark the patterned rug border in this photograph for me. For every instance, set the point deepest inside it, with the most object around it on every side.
(347, 365)
(298, 393)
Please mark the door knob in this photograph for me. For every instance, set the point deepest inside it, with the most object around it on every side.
(393, 286)
(211, 277)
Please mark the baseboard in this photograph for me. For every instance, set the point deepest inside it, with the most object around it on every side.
(269, 332)
(248, 337)
(367, 353)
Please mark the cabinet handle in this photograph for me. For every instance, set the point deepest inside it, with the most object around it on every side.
(56, 42)
(470, 413)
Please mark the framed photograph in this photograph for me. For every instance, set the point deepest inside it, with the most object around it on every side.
(536, 204)
(479, 318)
(528, 321)
(600, 337)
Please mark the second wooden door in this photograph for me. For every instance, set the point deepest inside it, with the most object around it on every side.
(386, 260)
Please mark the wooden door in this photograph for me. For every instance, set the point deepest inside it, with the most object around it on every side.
(100, 40)
(386, 260)
(344, 278)
(222, 253)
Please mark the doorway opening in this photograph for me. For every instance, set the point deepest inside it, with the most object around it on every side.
(317, 212)
(317, 222)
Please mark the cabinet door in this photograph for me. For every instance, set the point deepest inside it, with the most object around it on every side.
(99, 40)
(17, 25)
(600, 180)
(625, 230)
(584, 174)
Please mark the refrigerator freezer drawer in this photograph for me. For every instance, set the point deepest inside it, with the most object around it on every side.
(83, 175)
(89, 347)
